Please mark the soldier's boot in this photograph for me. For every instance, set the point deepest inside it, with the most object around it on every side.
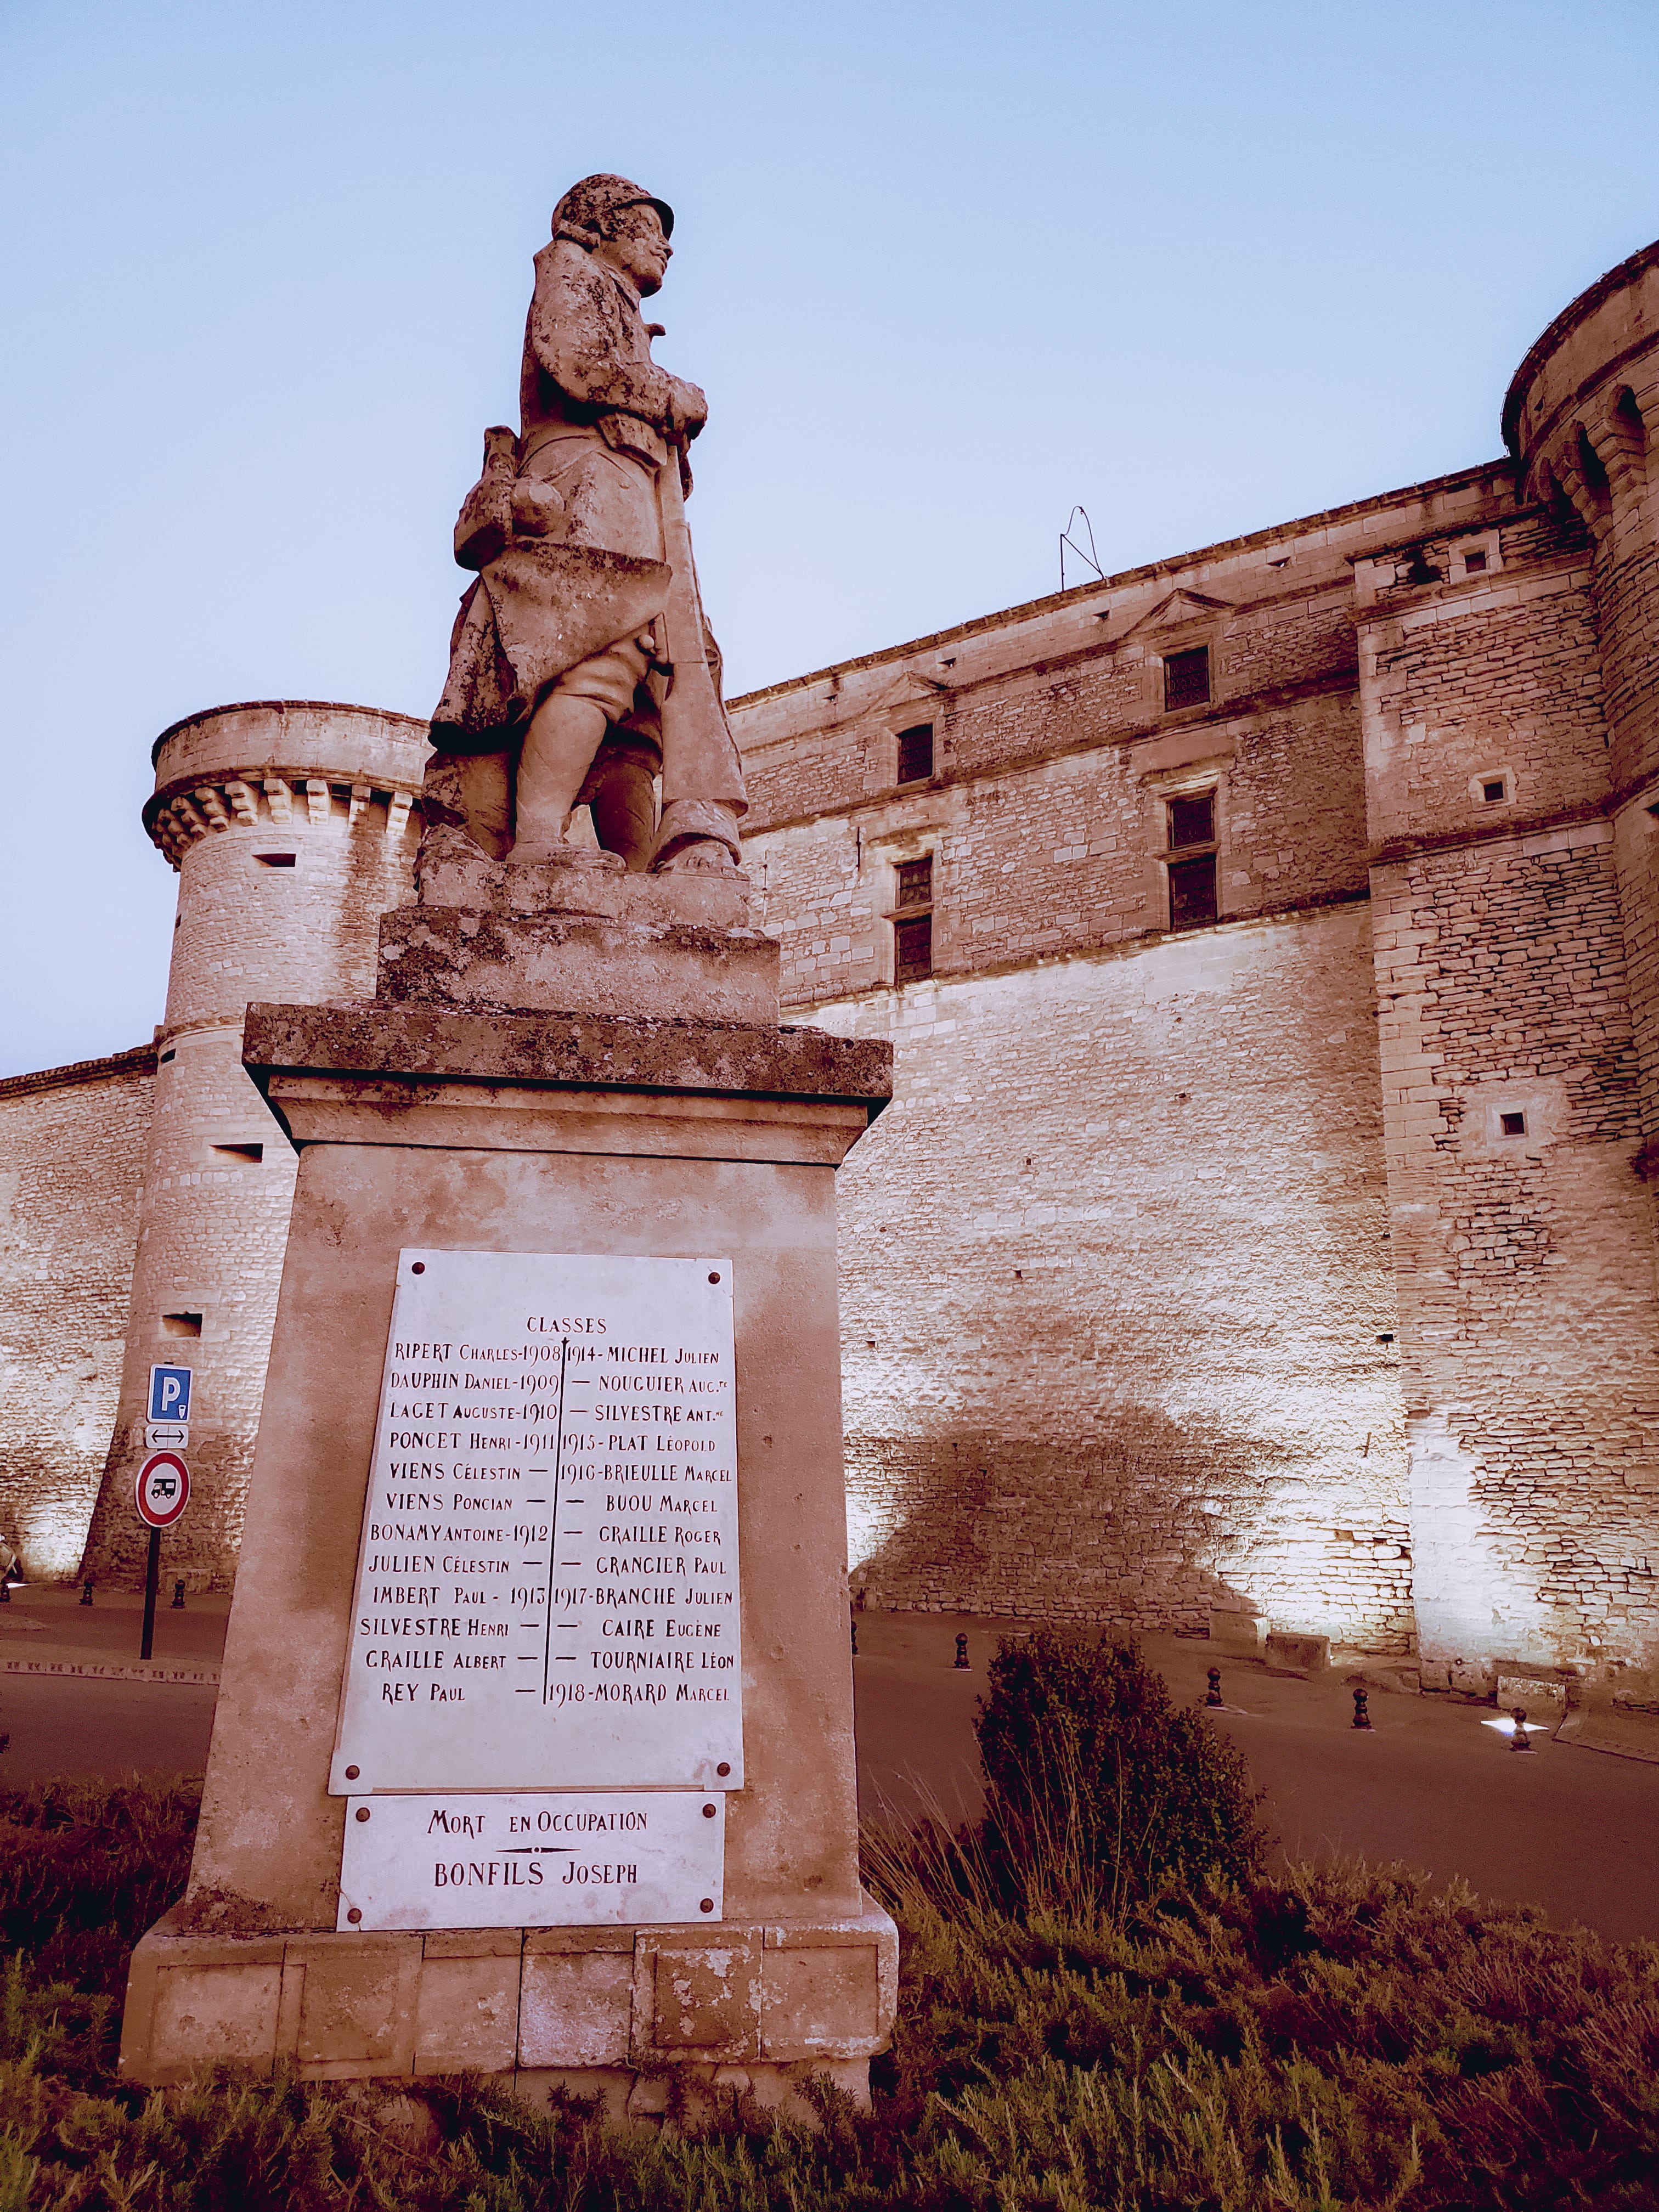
(565, 733)
(624, 797)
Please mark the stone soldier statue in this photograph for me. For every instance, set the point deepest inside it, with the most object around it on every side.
(581, 666)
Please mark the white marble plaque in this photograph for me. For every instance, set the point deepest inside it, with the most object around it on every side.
(602, 1859)
(547, 1582)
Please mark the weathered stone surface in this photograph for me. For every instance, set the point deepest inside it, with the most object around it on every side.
(1243, 1632)
(357, 2005)
(1312, 1655)
(577, 2008)
(575, 2004)
(1543, 1695)
(622, 968)
(583, 884)
(697, 1993)
(186, 1995)
(816, 2004)
(467, 2010)
(71, 1180)
(824, 1991)
(593, 1052)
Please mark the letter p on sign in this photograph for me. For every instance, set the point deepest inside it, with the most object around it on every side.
(169, 1393)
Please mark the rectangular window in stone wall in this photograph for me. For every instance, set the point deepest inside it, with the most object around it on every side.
(1186, 679)
(1191, 821)
(916, 753)
(915, 883)
(1192, 893)
(1193, 900)
(913, 920)
(912, 949)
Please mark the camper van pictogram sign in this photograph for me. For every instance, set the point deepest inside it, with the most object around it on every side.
(162, 1490)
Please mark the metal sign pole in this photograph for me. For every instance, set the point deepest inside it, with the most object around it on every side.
(161, 1492)
(152, 1578)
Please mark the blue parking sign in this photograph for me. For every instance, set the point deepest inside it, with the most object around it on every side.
(169, 1393)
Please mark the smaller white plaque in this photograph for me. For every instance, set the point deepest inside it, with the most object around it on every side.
(545, 1859)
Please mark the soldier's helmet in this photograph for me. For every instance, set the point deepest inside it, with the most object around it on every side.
(584, 214)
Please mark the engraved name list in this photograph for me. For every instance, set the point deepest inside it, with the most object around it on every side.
(547, 1588)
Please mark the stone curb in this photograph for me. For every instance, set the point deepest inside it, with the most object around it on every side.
(1591, 1732)
(93, 1670)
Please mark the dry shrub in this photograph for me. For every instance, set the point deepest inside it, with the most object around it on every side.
(1098, 1785)
(1338, 2039)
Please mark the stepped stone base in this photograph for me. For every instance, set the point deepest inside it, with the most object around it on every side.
(605, 2011)
(578, 935)
(577, 963)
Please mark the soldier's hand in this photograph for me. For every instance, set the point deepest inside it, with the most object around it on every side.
(688, 409)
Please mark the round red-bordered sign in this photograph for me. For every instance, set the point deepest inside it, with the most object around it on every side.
(162, 1490)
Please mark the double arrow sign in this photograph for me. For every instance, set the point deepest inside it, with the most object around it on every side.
(167, 1428)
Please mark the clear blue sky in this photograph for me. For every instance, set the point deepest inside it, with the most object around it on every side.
(942, 271)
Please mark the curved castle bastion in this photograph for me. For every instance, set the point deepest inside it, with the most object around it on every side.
(1268, 936)
(293, 826)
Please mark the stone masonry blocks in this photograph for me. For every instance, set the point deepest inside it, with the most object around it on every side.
(71, 1175)
(571, 2000)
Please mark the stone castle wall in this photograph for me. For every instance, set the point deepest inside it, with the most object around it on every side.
(1118, 1321)
(1120, 1328)
(1428, 726)
(71, 1165)
(1507, 686)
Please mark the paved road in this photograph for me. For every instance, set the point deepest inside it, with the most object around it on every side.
(63, 1724)
(1573, 1830)
(59, 1725)
(53, 1622)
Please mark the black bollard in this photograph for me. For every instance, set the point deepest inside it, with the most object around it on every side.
(86, 1593)
(1362, 1709)
(1520, 1740)
(854, 1618)
(962, 1651)
(5, 1590)
(1213, 1695)
(178, 1597)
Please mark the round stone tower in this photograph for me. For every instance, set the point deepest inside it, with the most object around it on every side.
(1581, 419)
(293, 826)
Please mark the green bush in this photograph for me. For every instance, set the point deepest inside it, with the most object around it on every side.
(1097, 1786)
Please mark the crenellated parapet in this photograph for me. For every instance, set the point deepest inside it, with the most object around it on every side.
(178, 819)
(1594, 454)
(1583, 411)
(287, 766)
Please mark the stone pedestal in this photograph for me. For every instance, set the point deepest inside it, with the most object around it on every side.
(440, 1117)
